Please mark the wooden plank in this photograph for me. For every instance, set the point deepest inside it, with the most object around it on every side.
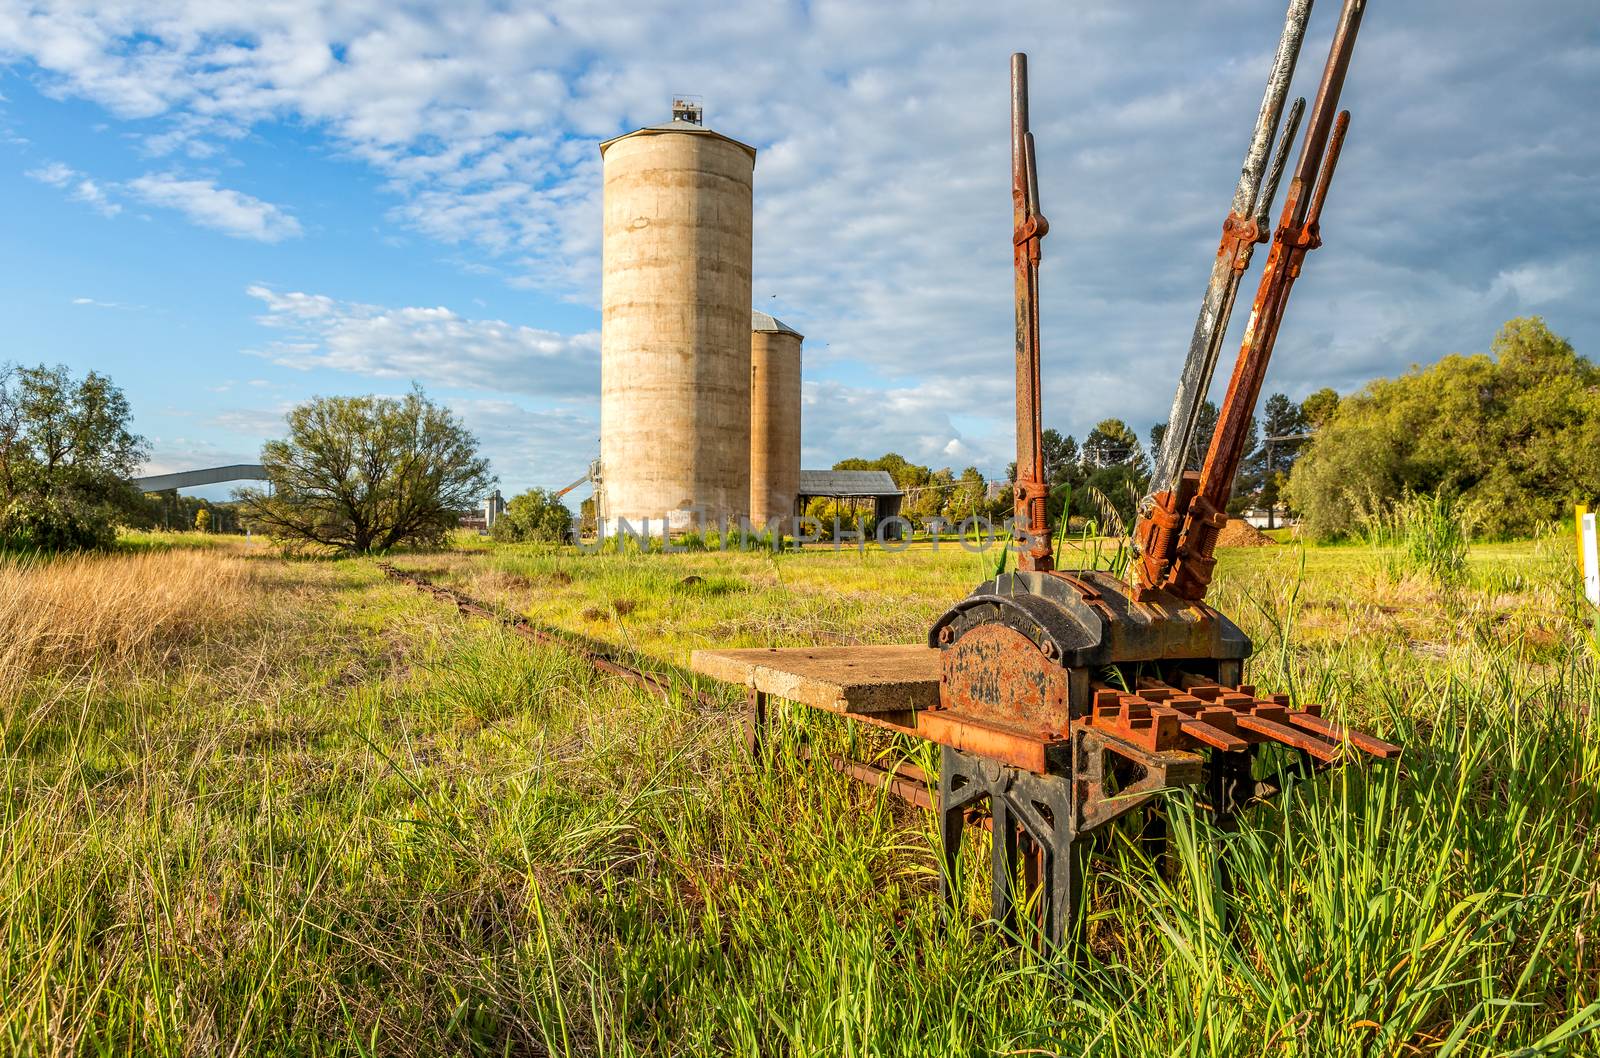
(853, 679)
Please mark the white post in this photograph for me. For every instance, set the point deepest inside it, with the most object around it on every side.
(1591, 559)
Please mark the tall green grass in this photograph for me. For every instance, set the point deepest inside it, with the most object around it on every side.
(1422, 533)
(360, 824)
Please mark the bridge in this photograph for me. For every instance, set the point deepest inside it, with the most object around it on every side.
(188, 479)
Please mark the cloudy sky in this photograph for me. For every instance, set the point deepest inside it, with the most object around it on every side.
(229, 206)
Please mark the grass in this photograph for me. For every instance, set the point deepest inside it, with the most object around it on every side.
(254, 806)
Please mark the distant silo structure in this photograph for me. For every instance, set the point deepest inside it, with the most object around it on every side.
(675, 325)
(774, 421)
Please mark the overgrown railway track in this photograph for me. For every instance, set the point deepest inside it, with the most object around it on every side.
(902, 780)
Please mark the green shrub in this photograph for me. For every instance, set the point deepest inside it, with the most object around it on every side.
(51, 524)
(534, 516)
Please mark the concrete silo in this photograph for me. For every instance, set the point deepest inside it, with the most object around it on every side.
(774, 421)
(675, 326)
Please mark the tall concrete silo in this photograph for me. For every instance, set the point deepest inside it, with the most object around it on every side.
(675, 326)
(774, 421)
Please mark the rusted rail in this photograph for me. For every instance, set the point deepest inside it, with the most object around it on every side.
(594, 653)
(904, 781)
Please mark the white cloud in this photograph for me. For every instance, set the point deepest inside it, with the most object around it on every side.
(221, 209)
(98, 304)
(881, 195)
(1539, 282)
(530, 448)
(432, 345)
(56, 174)
(94, 196)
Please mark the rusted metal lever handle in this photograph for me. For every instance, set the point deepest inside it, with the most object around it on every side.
(1280, 161)
(1325, 177)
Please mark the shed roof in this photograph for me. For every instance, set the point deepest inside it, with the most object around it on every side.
(847, 483)
(760, 321)
(678, 126)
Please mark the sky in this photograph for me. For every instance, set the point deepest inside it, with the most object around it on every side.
(230, 207)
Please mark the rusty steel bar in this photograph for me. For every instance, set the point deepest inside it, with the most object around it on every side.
(1240, 233)
(1339, 733)
(1189, 574)
(1029, 227)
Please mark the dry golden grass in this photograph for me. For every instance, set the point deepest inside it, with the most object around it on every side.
(128, 611)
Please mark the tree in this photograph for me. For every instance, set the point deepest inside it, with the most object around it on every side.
(1319, 408)
(1283, 425)
(202, 520)
(969, 497)
(1118, 474)
(535, 515)
(1515, 434)
(368, 474)
(66, 456)
(1112, 443)
(1205, 424)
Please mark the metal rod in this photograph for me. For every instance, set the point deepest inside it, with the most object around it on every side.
(1233, 258)
(1028, 229)
(1191, 571)
(1280, 161)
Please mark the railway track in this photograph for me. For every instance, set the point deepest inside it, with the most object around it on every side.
(904, 781)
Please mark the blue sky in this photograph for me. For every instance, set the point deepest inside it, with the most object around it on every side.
(229, 207)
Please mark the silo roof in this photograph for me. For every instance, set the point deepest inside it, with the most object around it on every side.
(678, 126)
(760, 321)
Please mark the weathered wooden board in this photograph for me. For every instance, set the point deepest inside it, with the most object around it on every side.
(855, 679)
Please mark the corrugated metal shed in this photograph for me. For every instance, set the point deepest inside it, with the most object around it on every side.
(846, 483)
(760, 321)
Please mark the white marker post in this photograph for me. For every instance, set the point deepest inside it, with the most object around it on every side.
(1590, 555)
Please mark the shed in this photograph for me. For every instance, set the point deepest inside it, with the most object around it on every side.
(875, 485)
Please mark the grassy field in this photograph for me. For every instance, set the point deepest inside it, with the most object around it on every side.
(256, 806)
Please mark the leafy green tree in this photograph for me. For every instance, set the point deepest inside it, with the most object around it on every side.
(1205, 424)
(535, 515)
(930, 499)
(66, 454)
(969, 497)
(1319, 408)
(1516, 435)
(1283, 425)
(1113, 443)
(368, 474)
(1117, 472)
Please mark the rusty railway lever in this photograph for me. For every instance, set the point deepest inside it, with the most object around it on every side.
(1178, 528)
(1245, 226)
(1032, 512)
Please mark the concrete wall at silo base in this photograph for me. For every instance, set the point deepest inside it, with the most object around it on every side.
(774, 428)
(675, 329)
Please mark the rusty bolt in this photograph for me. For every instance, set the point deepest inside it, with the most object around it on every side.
(947, 634)
(1049, 649)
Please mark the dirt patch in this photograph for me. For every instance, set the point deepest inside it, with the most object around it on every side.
(619, 607)
(507, 581)
(561, 576)
(1240, 533)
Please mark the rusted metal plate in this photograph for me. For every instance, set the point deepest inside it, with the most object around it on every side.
(977, 736)
(995, 672)
(852, 679)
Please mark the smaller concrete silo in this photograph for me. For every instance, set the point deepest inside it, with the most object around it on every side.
(774, 421)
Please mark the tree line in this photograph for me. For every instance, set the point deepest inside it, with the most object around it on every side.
(1513, 433)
